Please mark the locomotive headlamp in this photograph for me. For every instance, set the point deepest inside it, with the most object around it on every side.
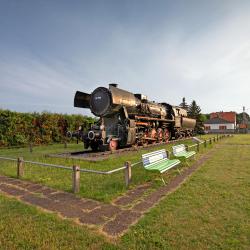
(91, 135)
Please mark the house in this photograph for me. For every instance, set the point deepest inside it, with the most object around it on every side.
(228, 116)
(243, 128)
(221, 122)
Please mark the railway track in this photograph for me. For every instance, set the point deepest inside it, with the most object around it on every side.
(97, 156)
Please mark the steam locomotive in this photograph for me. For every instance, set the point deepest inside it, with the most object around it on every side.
(127, 119)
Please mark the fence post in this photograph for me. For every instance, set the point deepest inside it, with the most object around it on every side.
(217, 137)
(198, 147)
(168, 154)
(210, 141)
(65, 142)
(30, 146)
(205, 143)
(76, 179)
(20, 167)
(127, 173)
(214, 139)
(186, 146)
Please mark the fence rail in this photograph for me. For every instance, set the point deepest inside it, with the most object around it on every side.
(76, 169)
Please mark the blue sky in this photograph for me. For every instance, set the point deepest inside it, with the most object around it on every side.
(164, 49)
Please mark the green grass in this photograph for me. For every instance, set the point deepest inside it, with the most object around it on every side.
(211, 210)
(24, 227)
(242, 139)
(99, 187)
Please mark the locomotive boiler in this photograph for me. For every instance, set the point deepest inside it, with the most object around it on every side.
(127, 119)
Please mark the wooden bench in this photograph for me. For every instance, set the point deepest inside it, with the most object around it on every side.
(158, 161)
(180, 151)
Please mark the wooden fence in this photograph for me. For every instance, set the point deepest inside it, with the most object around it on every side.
(76, 170)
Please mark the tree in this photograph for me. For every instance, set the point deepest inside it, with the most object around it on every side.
(207, 116)
(184, 104)
(194, 111)
(240, 119)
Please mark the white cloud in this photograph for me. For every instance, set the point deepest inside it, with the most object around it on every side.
(209, 64)
(211, 67)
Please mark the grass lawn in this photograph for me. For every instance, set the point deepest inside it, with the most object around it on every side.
(99, 187)
(211, 210)
(24, 227)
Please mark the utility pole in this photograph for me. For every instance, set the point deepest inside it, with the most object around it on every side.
(245, 120)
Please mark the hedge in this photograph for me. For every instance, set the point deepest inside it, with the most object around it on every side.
(38, 128)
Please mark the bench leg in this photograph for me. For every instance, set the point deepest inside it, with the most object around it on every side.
(186, 162)
(163, 181)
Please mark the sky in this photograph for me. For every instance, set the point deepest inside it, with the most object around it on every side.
(166, 50)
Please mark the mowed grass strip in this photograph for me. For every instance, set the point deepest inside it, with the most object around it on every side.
(211, 210)
(99, 187)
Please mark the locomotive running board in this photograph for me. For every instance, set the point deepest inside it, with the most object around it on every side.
(152, 119)
(149, 138)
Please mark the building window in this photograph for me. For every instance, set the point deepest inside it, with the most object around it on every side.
(207, 127)
(223, 127)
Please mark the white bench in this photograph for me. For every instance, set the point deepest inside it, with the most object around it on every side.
(158, 161)
(180, 151)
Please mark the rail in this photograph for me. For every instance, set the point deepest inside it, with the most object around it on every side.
(70, 168)
(76, 169)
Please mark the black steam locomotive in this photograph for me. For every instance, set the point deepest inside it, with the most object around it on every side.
(129, 119)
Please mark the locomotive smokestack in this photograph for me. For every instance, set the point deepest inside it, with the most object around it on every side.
(113, 85)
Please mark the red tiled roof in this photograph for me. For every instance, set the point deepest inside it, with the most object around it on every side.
(228, 116)
(216, 121)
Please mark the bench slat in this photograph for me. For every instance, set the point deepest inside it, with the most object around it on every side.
(157, 162)
(163, 152)
(179, 148)
(155, 156)
(180, 151)
(173, 164)
(163, 166)
(186, 154)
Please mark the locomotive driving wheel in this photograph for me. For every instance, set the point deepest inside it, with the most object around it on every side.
(144, 141)
(160, 134)
(166, 135)
(153, 135)
(113, 144)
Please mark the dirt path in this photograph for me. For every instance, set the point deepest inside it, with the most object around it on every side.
(110, 219)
